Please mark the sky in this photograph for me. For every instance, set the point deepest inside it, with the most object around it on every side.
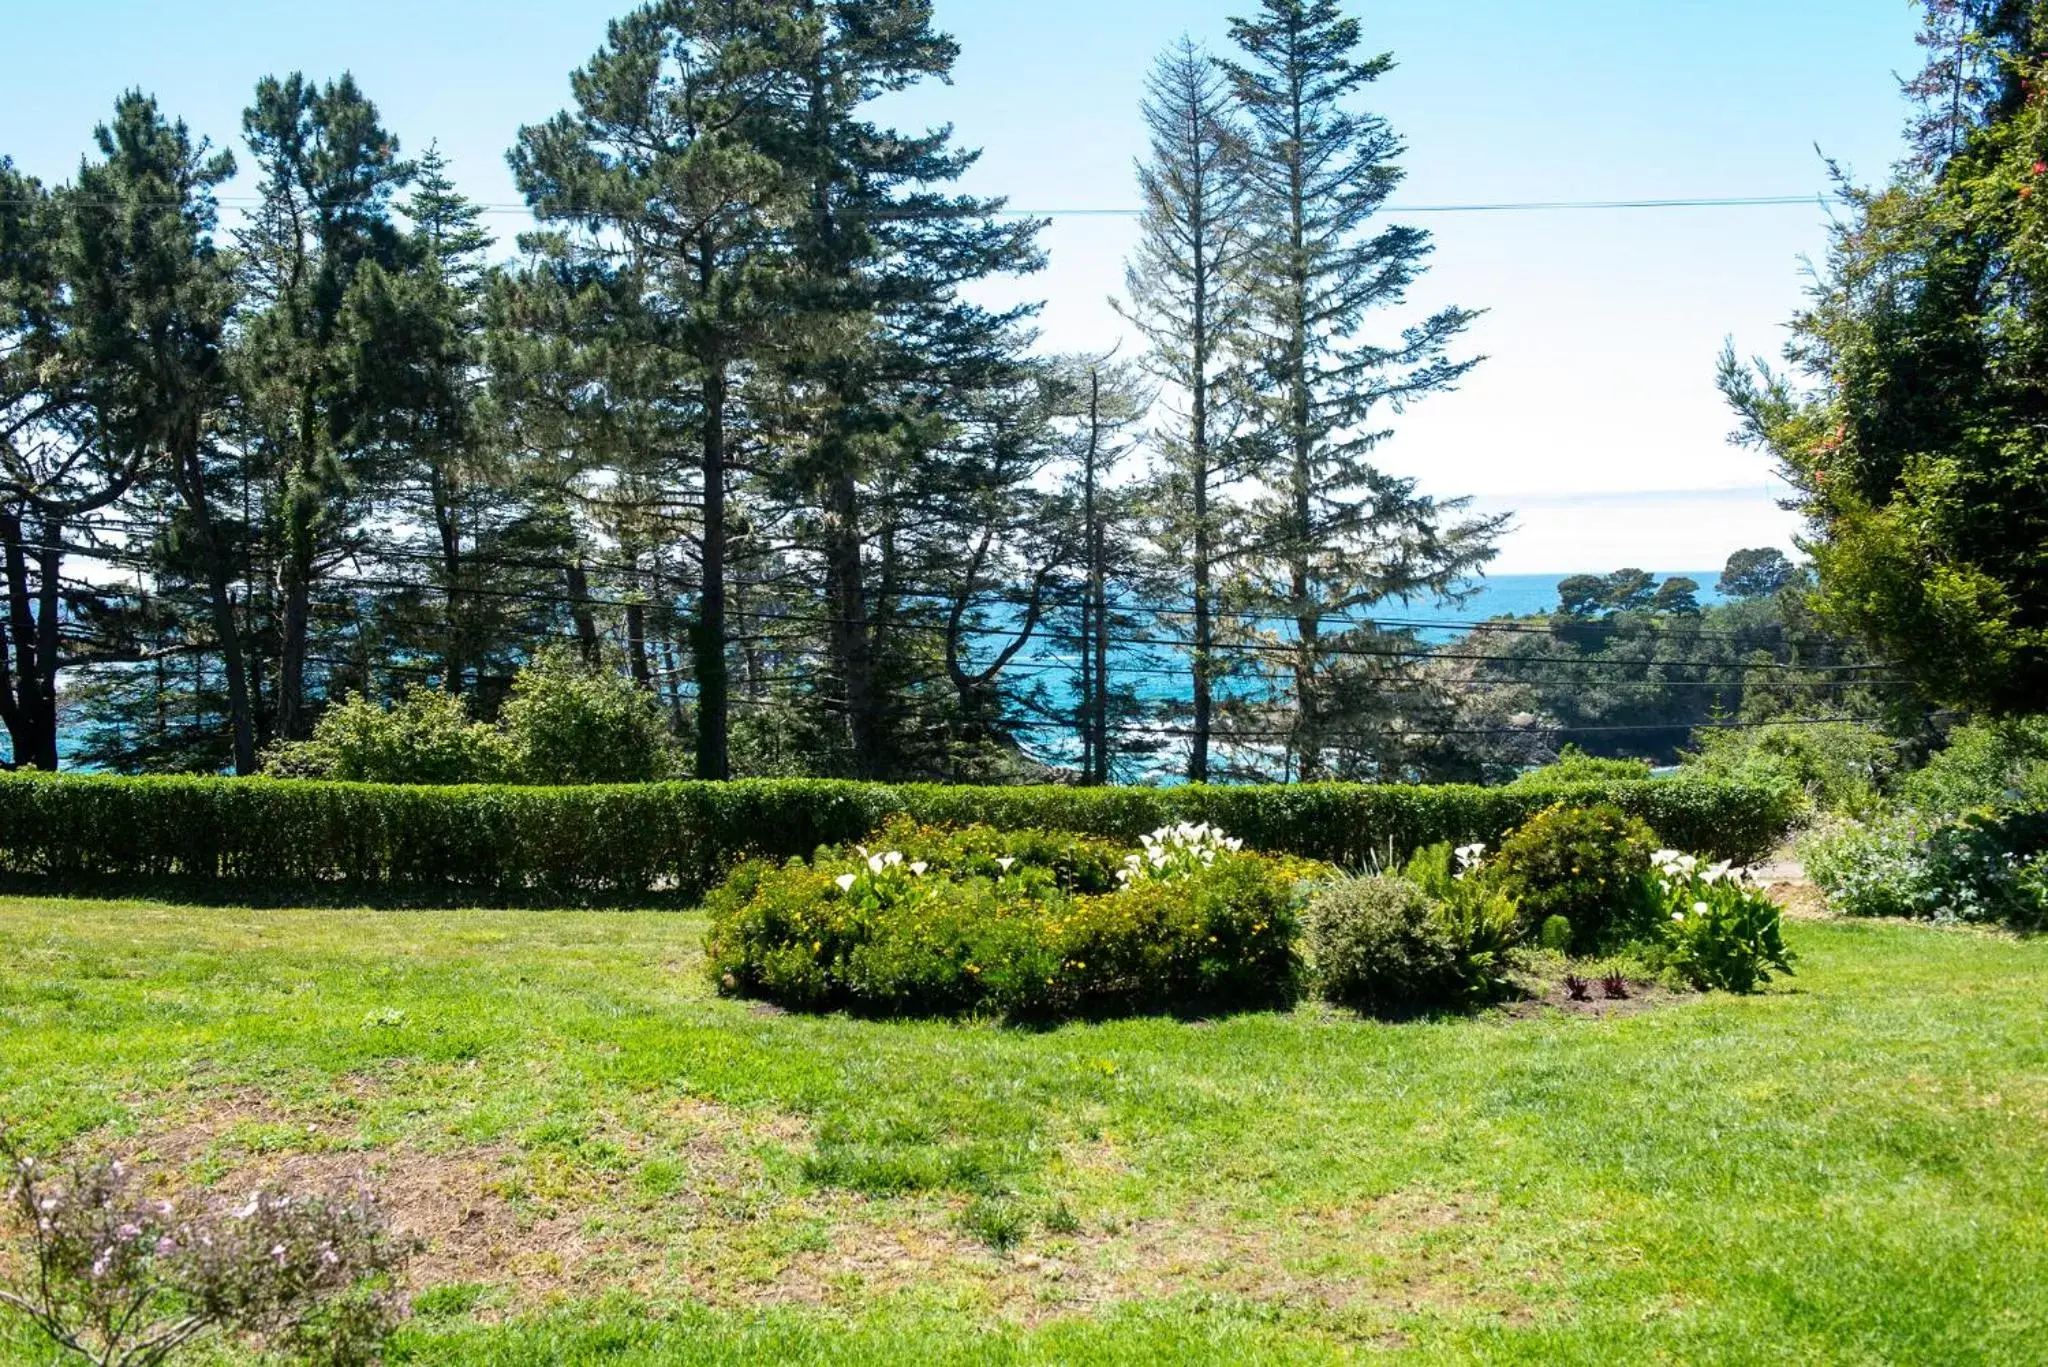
(1594, 417)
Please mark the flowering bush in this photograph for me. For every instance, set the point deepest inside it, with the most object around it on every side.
(1724, 934)
(114, 1278)
(1173, 853)
(1014, 924)
(1586, 864)
(1981, 866)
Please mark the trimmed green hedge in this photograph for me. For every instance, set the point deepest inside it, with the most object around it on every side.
(672, 842)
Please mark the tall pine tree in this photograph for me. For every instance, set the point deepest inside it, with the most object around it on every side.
(1335, 534)
(1186, 296)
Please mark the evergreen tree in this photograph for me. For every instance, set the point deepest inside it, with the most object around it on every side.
(114, 305)
(1335, 534)
(1186, 296)
(660, 173)
(890, 357)
(313, 256)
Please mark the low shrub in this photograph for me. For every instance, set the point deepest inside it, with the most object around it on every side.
(1986, 866)
(1996, 764)
(1586, 864)
(425, 738)
(112, 1276)
(1837, 768)
(567, 724)
(1375, 943)
(1574, 765)
(1722, 934)
(1015, 925)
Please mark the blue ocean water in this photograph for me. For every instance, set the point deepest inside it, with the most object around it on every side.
(1507, 595)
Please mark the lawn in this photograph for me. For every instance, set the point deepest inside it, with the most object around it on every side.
(612, 1165)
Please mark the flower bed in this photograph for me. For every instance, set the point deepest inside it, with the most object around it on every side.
(1022, 925)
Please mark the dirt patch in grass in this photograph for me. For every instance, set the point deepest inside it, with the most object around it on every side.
(1549, 998)
(546, 1223)
(1800, 900)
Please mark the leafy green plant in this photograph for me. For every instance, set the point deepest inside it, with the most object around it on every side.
(1556, 935)
(1574, 765)
(569, 723)
(1982, 866)
(427, 737)
(1724, 934)
(1376, 943)
(1481, 923)
(646, 843)
(1586, 864)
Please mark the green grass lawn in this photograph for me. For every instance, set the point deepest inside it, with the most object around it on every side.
(612, 1165)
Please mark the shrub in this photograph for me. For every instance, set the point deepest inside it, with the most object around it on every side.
(1985, 866)
(426, 738)
(2001, 764)
(114, 1278)
(672, 842)
(974, 929)
(1586, 864)
(570, 724)
(1376, 943)
(1353, 825)
(1574, 765)
(1722, 934)
(1840, 768)
(1556, 935)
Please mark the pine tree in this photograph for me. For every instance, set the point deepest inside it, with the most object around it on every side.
(113, 306)
(322, 234)
(889, 353)
(1334, 533)
(660, 178)
(1184, 287)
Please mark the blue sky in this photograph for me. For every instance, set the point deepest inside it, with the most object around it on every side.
(1595, 415)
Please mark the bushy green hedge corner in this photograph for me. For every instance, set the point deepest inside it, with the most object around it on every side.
(675, 841)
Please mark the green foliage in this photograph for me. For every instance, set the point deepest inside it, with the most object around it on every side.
(567, 724)
(1985, 764)
(1481, 922)
(671, 842)
(1910, 421)
(425, 738)
(1555, 935)
(1840, 768)
(1375, 943)
(1436, 936)
(1586, 864)
(968, 931)
(572, 723)
(1985, 866)
(1720, 933)
(1574, 765)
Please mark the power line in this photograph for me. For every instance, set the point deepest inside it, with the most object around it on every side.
(247, 203)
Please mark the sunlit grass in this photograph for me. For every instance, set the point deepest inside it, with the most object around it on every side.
(1851, 1169)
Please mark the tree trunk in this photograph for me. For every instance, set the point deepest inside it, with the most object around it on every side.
(579, 612)
(30, 707)
(714, 698)
(454, 659)
(848, 634)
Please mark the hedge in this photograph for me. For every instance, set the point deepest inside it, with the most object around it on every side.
(672, 842)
